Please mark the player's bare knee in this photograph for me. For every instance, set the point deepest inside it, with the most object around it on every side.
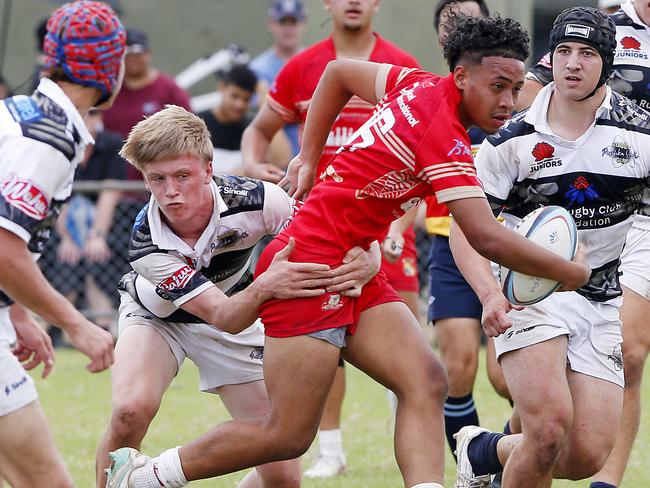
(548, 439)
(132, 417)
(431, 385)
(634, 361)
(281, 475)
(586, 464)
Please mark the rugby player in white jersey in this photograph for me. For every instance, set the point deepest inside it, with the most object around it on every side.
(586, 148)
(191, 293)
(42, 139)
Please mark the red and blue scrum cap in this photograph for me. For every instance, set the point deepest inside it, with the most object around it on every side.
(87, 40)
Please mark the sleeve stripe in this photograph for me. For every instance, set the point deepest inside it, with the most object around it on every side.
(381, 80)
(13, 227)
(286, 114)
(458, 193)
(437, 173)
(448, 175)
(404, 73)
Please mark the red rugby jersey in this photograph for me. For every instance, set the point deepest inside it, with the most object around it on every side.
(412, 146)
(295, 85)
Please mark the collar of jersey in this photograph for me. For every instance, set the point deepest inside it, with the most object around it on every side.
(538, 111)
(628, 8)
(54, 92)
(163, 237)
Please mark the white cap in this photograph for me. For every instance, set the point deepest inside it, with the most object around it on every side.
(609, 3)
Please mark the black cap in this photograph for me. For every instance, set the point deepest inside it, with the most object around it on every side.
(136, 41)
(282, 9)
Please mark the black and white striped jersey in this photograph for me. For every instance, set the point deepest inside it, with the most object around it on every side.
(42, 139)
(599, 178)
(245, 210)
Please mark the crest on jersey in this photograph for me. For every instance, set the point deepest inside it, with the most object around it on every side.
(228, 237)
(257, 354)
(617, 357)
(544, 155)
(332, 302)
(622, 153)
(24, 195)
(629, 42)
(581, 190)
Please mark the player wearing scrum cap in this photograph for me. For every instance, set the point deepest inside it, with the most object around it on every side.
(42, 139)
(585, 148)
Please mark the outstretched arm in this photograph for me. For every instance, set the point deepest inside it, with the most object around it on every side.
(341, 80)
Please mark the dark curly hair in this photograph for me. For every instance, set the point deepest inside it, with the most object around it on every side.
(470, 39)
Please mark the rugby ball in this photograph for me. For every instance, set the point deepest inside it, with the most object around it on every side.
(554, 229)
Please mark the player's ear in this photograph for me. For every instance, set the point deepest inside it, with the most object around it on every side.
(461, 74)
(208, 172)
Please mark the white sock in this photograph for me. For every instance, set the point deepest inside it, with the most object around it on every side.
(163, 471)
(427, 485)
(330, 442)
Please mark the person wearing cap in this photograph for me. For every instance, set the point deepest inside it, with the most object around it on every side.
(352, 37)
(42, 139)
(586, 148)
(286, 23)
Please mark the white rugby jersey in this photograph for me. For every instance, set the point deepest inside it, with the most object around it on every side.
(42, 139)
(632, 73)
(245, 210)
(599, 178)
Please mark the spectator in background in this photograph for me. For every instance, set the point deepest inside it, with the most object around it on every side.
(226, 122)
(146, 90)
(79, 263)
(286, 23)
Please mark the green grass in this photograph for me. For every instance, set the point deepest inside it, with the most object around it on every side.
(78, 406)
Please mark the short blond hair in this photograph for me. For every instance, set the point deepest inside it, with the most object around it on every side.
(170, 133)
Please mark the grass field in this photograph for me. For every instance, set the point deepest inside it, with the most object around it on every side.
(78, 406)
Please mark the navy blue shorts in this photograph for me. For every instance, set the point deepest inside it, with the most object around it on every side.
(450, 296)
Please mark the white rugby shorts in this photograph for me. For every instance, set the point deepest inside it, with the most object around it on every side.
(222, 358)
(16, 386)
(635, 261)
(593, 330)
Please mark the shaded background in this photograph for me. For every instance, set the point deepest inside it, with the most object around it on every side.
(184, 30)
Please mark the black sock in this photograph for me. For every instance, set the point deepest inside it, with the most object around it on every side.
(482, 453)
(601, 484)
(459, 412)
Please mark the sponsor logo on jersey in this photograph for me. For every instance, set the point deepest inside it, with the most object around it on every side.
(617, 357)
(577, 30)
(25, 196)
(227, 190)
(409, 94)
(23, 109)
(459, 149)
(621, 152)
(178, 280)
(581, 190)
(332, 302)
(409, 267)
(339, 136)
(543, 153)
(228, 238)
(520, 331)
(631, 48)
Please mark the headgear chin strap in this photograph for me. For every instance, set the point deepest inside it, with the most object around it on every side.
(86, 40)
(588, 26)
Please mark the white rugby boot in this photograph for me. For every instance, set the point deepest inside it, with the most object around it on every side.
(124, 462)
(465, 477)
(327, 466)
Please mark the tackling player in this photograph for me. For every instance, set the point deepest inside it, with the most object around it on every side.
(191, 248)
